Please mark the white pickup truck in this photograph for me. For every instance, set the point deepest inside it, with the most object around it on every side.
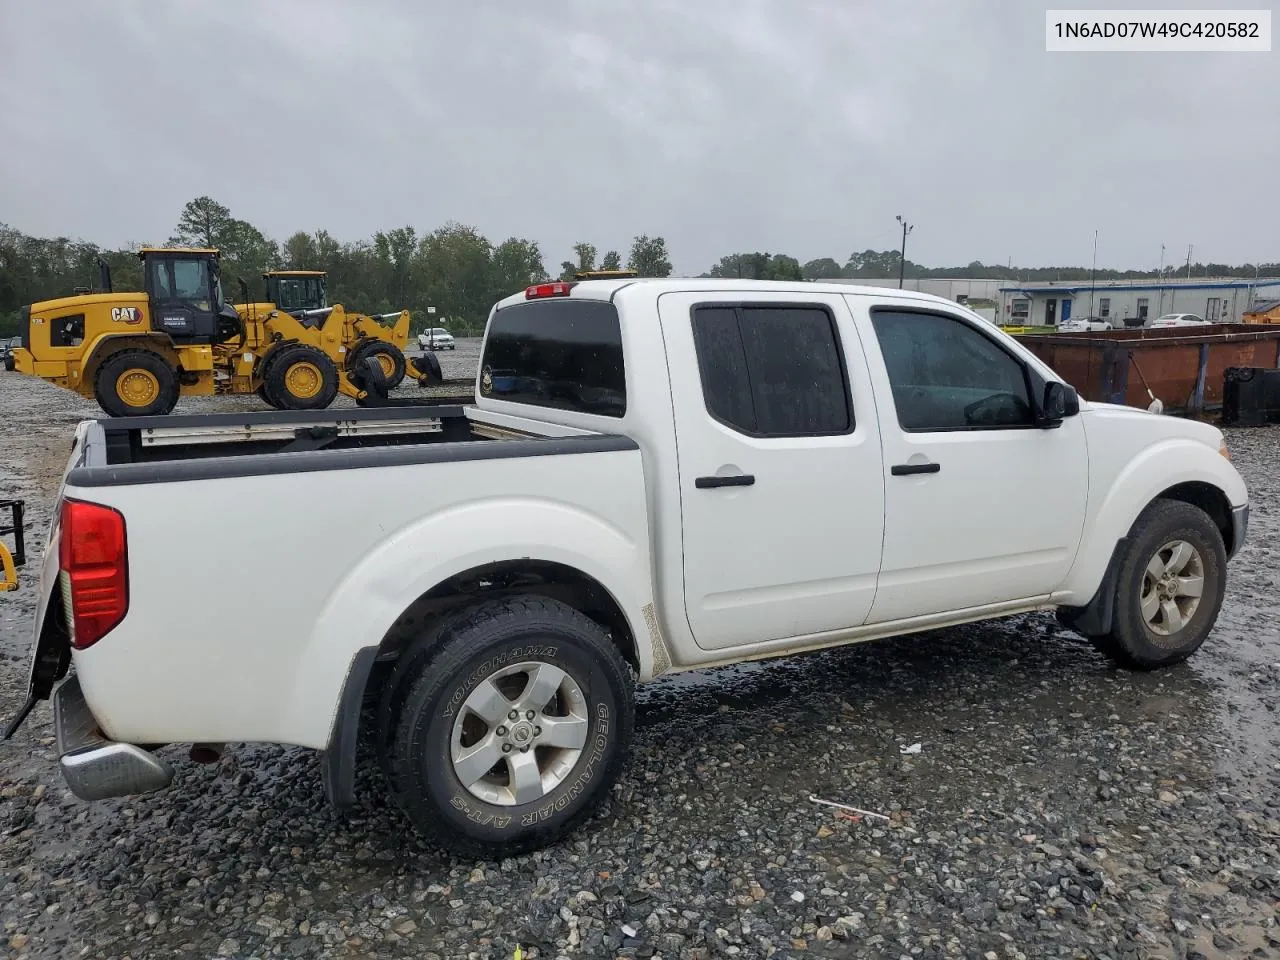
(654, 476)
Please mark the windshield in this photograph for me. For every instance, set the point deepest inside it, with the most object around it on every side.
(299, 293)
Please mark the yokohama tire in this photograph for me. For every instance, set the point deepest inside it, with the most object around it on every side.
(1145, 640)
(464, 662)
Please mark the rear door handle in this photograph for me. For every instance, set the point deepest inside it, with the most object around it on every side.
(907, 469)
(740, 480)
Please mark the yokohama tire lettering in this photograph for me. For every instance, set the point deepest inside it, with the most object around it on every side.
(488, 667)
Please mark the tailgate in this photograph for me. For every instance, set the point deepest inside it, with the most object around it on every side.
(50, 641)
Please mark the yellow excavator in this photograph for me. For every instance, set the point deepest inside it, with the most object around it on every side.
(137, 353)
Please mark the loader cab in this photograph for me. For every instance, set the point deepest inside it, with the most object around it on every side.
(184, 287)
(297, 292)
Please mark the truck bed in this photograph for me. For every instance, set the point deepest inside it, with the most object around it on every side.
(175, 448)
(262, 546)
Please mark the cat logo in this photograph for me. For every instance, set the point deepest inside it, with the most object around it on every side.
(486, 382)
(126, 315)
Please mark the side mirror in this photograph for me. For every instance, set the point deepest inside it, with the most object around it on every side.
(1060, 401)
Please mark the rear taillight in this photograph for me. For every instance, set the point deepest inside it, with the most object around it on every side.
(556, 288)
(93, 562)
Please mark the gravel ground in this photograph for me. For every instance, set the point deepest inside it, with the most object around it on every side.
(1057, 807)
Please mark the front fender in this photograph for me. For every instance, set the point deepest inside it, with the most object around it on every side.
(1154, 470)
(385, 583)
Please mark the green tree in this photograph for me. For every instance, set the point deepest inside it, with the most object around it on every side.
(455, 261)
(514, 264)
(824, 268)
(758, 266)
(586, 254)
(203, 223)
(299, 252)
(612, 261)
(649, 257)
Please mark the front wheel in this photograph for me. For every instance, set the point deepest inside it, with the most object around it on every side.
(515, 722)
(300, 377)
(388, 356)
(1169, 588)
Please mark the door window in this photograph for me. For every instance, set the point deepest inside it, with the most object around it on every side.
(772, 371)
(945, 375)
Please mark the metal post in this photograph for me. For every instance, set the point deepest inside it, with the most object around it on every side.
(902, 257)
(1160, 284)
(1093, 275)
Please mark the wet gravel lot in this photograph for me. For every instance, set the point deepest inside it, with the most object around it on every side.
(1057, 806)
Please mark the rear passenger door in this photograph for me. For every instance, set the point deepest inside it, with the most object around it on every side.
(781, 480)
(982, 505)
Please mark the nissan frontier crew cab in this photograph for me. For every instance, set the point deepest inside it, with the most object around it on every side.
(654, 476)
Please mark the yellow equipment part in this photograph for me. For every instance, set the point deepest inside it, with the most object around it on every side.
(8, 562)
(8, 574)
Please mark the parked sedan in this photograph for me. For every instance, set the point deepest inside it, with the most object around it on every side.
(1179, 320)
(1084, 325)
(436, 338)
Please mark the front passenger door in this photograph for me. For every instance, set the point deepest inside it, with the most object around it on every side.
(982, 505)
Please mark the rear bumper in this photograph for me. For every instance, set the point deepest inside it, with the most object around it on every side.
(1239, 528)
(93, 766)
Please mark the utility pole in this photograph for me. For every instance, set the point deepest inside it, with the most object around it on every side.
(1093, 273)
(902, 259)
(1160, 284)
(1189, 249)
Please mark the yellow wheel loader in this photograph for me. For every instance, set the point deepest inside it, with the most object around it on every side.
(347, 338)
(136, 353)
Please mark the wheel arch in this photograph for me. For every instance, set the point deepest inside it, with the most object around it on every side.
(1174, 469)
(384, 599)
(108, 344)
(1095, 617)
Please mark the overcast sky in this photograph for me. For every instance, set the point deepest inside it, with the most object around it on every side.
(795, 126)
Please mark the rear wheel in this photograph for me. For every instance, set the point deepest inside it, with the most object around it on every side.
(300, 377)
(1169, 588)
(509, 726)
(136, 383)
(389, 358)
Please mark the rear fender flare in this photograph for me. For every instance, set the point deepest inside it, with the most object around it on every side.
(380, 587)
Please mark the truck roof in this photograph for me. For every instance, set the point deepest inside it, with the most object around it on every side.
(606, 289)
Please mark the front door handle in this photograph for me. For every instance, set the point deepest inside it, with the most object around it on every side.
(907, 469)
(740, 480)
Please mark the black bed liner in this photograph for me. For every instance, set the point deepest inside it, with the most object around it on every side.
(173, 449)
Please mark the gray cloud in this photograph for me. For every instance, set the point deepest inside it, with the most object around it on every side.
(801, 126)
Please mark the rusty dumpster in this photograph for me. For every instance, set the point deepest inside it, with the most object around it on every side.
(1182, 366)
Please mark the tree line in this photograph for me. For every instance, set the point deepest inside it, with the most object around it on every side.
(454, 268)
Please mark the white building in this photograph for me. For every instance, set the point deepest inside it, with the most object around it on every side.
(961, 291)
(1048, 303)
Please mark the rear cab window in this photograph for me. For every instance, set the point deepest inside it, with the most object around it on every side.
(564, 353)
(773, 370)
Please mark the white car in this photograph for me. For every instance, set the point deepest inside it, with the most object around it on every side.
(1083, 325)
(655, 475)
(437, 338)
(1180, 320)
